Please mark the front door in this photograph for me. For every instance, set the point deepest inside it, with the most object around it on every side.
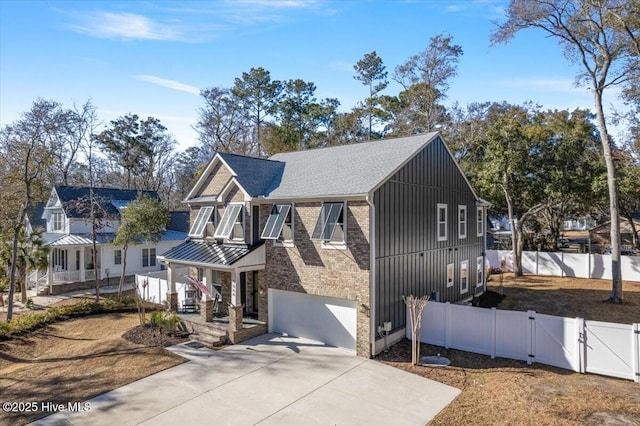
(243, 289)
(255, 293)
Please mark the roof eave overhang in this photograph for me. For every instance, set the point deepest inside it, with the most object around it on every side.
(329, 197)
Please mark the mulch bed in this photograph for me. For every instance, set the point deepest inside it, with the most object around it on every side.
(152, 337)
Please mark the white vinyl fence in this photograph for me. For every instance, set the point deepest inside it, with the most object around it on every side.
(562, 264)
(157, 286)
(572, 343)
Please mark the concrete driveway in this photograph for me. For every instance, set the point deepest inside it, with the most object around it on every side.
(269, 380)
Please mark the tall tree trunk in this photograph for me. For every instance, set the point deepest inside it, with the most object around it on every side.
(515, 237)
(124, 269)
(616, 271)
(12, 274)
(23, 284)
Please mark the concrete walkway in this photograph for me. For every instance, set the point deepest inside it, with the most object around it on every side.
(269, 380)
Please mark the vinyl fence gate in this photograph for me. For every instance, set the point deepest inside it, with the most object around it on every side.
(575, 344)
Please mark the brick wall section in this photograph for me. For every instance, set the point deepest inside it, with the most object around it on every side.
(217, 180)
(310, 269)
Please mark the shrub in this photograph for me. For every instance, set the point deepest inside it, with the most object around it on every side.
(27, 322)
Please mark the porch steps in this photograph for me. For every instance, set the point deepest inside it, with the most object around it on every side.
(209, 334)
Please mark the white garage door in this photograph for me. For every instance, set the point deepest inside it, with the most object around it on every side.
(326, 319)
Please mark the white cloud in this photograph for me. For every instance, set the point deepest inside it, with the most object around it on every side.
(127, 26)
(279, 4)
(170, 84)
(454, 8)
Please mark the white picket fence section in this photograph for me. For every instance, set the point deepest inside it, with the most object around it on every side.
(562, 264)
(572, 343)
(157, 286)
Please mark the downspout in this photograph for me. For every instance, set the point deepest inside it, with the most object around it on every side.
(372, 275)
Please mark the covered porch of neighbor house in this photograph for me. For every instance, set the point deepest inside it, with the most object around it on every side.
(224, 285)
(70, 266)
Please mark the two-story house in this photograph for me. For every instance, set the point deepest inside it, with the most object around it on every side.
(324, 243)
(65, 218)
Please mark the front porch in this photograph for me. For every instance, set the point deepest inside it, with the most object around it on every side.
(223, 287)
(220, 330)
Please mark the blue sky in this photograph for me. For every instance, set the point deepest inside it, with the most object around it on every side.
(151, 58)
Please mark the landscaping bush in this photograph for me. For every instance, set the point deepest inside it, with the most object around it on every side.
(30, 321)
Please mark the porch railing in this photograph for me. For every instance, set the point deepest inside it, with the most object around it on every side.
(74, 276)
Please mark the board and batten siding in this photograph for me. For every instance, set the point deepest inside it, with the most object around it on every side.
(409, 259)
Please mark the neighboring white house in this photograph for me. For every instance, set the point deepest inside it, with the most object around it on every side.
(66, 221)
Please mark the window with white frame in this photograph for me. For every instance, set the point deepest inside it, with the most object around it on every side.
(480, 221)
(330, 227)
(442, 222)
(117, 257)
(279, 225)
(464, 276)
(462, 222)
(58, 222)
(231, 224)
(479, 271)
(450, 275)
(148, 257)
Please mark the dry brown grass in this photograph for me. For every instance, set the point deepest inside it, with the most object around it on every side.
(508, 392)
(568, 297)
(73, 361)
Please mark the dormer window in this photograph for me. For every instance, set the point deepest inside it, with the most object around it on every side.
(232, 223)
(57, 221)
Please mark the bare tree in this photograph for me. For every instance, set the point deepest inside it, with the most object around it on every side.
(28, 144)
(594, 34)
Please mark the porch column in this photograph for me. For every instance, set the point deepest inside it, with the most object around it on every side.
(235, 308)
(172, 294)
(50, 272)
(206, 304)
(83, 271)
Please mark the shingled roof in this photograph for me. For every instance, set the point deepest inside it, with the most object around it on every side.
(257, 176)
(71, 196)
(344, 170)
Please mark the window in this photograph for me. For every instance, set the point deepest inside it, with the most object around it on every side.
(59, 259)
(464, 276)
(148, 257)
(231, 222)
(117, 257)
(479, 271)
(330, 226)
(197, 229)
(480, 221)
(58, 222)
(450, 277)
(462, 222)
(212, 222)
(279, 224)
(442, 222)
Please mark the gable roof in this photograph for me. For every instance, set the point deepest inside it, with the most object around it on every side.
(35, 216)
(257, 176)
(353, 170)
(345, 170)
(110, 199)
